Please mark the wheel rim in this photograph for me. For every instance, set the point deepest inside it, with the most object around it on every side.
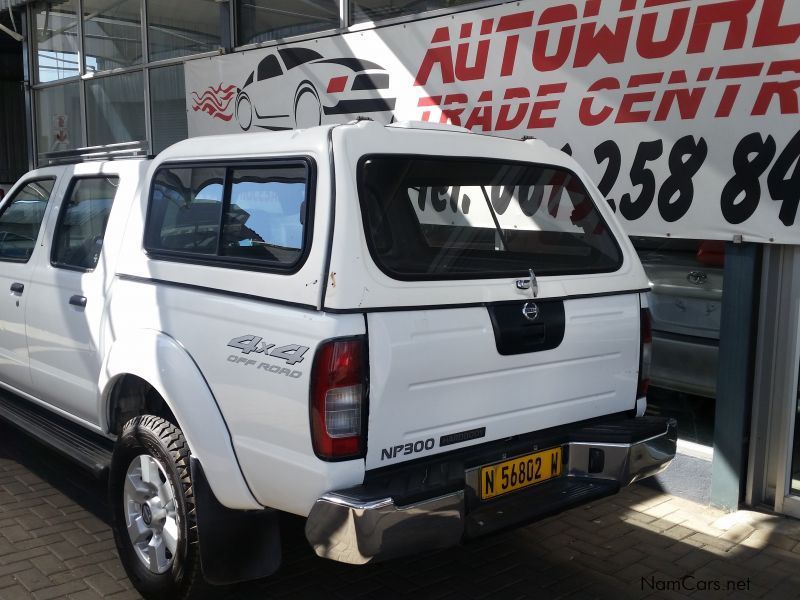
(151, 513)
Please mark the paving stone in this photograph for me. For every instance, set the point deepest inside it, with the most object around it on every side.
(52, 546)
(15, 592)
(33, 579)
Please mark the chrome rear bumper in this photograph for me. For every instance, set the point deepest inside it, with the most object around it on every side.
(350, 527)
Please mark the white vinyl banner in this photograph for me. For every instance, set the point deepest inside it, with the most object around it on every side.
(685, 112)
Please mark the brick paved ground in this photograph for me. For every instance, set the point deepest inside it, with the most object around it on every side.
(55, 543)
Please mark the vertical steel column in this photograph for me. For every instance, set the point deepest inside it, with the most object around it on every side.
(28, 31)
(82, 79)
(148, 111)
(738, 328)
(225, 33)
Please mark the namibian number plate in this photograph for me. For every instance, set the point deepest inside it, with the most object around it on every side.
(520, 472)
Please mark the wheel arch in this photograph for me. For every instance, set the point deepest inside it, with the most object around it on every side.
(159, 361)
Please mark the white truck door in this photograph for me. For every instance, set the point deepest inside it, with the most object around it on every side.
(21, 218)
(67, 292)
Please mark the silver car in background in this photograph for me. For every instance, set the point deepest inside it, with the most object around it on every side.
(686, 302)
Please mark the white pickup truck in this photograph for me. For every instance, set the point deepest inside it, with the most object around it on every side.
(409, 334)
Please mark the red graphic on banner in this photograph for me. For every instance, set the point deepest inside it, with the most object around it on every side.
(216, 101)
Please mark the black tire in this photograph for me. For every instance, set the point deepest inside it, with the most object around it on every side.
(164, 442)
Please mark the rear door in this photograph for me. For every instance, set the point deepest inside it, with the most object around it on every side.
(68, 288)
(448, 376)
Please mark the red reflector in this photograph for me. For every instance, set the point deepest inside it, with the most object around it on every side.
(338, 389)
(337, 84)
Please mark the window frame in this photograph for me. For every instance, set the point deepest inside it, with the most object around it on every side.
(234, 262)
(62, 210)
(11, 198)
(378, 262)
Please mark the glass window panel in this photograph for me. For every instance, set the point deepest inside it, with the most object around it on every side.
(55, 44)
(261, 20)
(440, 218)
(112, 32)
(58, 119)
(168, 106)
(376, 10)
(79, 235)
(115, 109)
(182, 27)
(266, 216)
(22, 218)
(186, 210)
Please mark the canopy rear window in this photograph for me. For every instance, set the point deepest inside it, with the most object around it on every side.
(458, 218)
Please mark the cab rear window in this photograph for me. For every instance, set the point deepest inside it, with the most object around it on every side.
(439, 218)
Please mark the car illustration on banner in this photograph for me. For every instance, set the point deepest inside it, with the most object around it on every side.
(295, 88)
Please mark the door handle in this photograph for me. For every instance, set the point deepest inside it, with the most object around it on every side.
(17, 288)
(77, 300)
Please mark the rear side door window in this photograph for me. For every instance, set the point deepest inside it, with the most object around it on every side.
(250, 216)
(22, 218)
(264, 220)
(81, 226)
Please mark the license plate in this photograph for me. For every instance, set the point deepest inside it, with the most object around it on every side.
(520, 472)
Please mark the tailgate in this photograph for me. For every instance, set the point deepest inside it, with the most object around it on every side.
(448, 378)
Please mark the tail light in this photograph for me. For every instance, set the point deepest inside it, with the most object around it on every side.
(338, 399)
(337, 84)
(645, 351)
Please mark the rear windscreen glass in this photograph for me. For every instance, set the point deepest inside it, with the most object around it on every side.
(437, 218)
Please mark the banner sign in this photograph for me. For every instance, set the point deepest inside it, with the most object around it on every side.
(685, 112)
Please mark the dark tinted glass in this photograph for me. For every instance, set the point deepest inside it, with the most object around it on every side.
(181, 27)
(431, 218)
(266, 215)
(82, 225)
(21, 219)
(186, 210)
(376, 10)
(261, 20)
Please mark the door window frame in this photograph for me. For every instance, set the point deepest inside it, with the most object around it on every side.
(11, 197)
(60, 219)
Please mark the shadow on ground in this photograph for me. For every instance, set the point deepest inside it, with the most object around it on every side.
(640, 543)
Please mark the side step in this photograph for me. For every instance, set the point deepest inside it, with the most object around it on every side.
(88, 449)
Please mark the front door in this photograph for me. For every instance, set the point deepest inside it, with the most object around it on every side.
(21, 218)
(67, 298)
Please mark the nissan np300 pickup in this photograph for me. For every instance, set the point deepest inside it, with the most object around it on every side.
(409, 334)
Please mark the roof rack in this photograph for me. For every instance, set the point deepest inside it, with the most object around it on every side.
(109, 152)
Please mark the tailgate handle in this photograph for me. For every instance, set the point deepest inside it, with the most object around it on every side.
(77, 300)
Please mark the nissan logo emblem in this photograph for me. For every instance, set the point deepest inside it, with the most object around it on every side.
(697, 277)
(530, 311)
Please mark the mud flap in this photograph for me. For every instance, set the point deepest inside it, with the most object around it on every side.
(235, 545)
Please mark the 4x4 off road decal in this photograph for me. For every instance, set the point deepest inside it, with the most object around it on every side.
(292, 354)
